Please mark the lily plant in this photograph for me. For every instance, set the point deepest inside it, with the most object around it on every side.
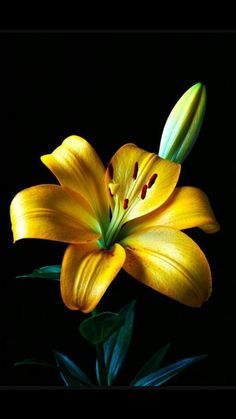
(129, 215)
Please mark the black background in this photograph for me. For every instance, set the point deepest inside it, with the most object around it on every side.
(112, 88)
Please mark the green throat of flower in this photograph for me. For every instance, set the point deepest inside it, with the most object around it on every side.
(111, 235)
(123, 205)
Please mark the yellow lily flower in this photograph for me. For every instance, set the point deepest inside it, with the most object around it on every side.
(142, 235)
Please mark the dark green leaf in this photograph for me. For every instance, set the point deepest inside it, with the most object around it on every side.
(98, 329)
(71, 374)
(98, 373)
(116, 347)
(35, 361)
(48, 272)
(152, 364)
(159, 377)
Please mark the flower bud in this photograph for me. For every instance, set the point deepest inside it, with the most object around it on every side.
(183, 124)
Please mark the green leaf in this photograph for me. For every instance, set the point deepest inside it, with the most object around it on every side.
(98, 329)
(71, 374)
(35, 361)
(97, 369)
(152, 364)
(157, 378)
(116, 347)
(98, 373)
(48, 272)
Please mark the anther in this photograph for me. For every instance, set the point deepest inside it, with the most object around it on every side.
(126, 203)
(152, 180)
(144, 191)
(110, 170)
(135, 170)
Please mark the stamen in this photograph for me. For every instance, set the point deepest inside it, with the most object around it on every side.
(110, 192)
(126, 203)
(152, 180)
(135, 170)
(144, 191)
(110, 170)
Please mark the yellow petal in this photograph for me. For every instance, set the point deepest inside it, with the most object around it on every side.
(87, 271)
(130, 169)
(187, 207)
(77, 166)
(48, 212)
(170, 262)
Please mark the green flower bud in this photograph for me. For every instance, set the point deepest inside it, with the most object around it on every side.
(183, 124)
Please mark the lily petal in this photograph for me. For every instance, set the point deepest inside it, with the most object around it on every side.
(87, 271)
(187, 207)
(77, 166)
(143, 181)
(48, 212)
(170, 262)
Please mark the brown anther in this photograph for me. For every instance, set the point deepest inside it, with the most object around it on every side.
(126, 203)
(135, 170)
(110, 170)
(152, 180)
(111, 193)
(144, 191)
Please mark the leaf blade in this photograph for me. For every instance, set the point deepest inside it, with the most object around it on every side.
(159, 377)
(116, 347)
(35, 361)
(152, 364)
(71, 374)
(45, 272)
(97, 329)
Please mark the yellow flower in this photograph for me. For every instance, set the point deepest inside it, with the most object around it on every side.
(142, 234)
